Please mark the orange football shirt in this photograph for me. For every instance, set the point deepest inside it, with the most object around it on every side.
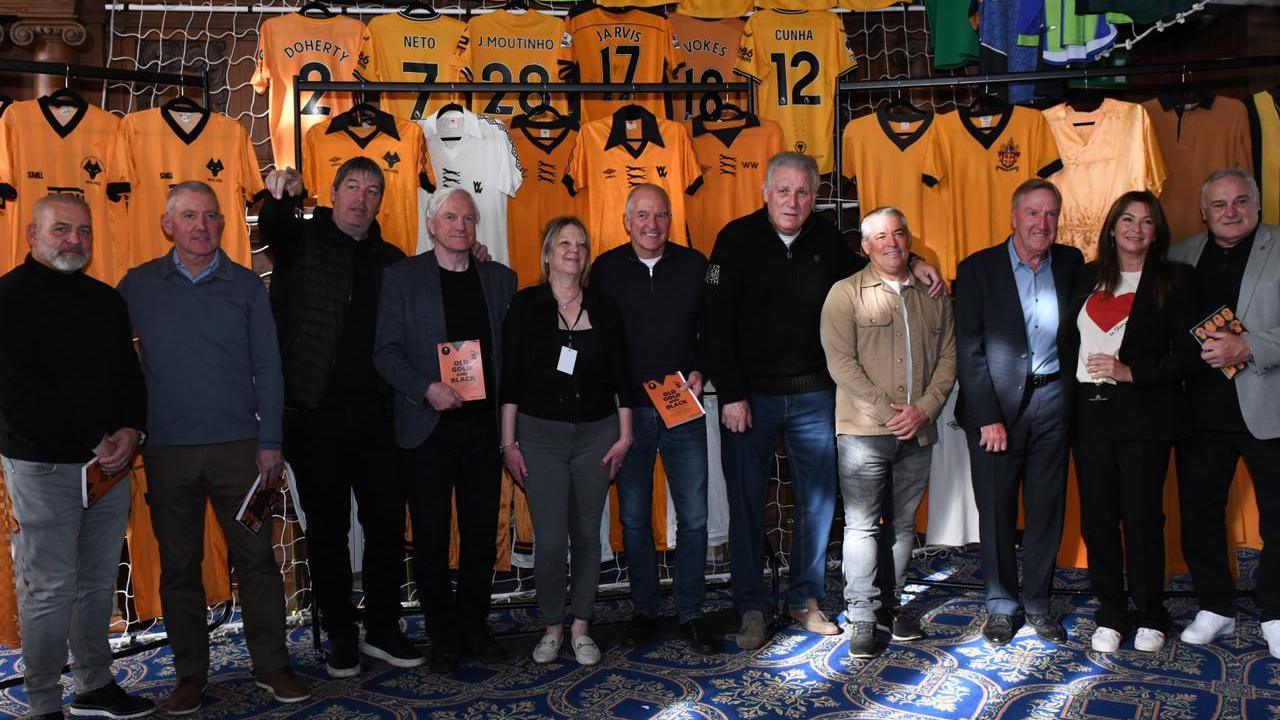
(543, 147)
(710, 53)
(503, 47)
(397, 48)
(734, 157)
(622, 46)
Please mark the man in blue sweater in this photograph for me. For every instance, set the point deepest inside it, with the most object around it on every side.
(215, 399)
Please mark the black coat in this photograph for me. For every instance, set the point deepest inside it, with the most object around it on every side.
(1157, 347)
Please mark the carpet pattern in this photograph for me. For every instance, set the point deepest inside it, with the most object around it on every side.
(951, 674)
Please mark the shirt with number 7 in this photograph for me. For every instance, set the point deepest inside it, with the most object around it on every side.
(399, 48)
(798, 57)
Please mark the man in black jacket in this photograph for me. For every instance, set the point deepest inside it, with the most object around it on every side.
(337, 424)
(71, 391)
(659, 286)
(767, 280)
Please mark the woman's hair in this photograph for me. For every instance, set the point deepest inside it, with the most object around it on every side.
(1108, 262)
(549, 237)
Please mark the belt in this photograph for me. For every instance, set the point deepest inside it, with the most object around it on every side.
(1036, 381)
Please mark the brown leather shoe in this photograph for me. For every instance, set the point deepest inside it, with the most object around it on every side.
(185, 698)
(284, 685)
(814, 620)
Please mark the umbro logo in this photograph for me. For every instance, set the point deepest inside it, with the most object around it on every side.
(391, 158)
(92, 168)
(609, 173)
(215, 166)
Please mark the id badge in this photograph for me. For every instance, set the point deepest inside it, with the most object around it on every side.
(568, 358)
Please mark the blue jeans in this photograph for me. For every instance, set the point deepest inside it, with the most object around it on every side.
(684, 455)
(880, 477)
(806, 422)
(65, 560)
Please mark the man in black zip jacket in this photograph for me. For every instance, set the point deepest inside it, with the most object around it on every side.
(659, 287)
(337, 422)
(767, 280)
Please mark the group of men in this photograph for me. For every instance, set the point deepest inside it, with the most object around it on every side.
(848, 359)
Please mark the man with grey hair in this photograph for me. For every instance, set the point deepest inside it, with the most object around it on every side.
(767, 279)
(71, 392)
(1237, 265)
(429, 306)
(890, 348)
(214, 403)
(338, 437)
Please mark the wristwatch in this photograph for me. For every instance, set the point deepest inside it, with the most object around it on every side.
(142, 438)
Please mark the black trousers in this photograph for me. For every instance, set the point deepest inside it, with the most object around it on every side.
(335, 451)
(1206, 466)
(1121, 485)
(459, 462)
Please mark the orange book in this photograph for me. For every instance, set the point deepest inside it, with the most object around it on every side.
(95, 482)
(676, 406)
(462, 369)
(1221, 320)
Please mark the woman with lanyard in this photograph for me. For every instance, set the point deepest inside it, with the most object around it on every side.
(563, 433)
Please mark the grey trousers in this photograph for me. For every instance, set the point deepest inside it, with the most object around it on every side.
(65, 560)
(567, 487)
(178, 481)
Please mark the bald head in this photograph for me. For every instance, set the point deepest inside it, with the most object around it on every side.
(61, 233)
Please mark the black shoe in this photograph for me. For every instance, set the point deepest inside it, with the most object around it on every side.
(998, 629)
(642, 630)
(343, 659)
(110, 701)
(444, 656)
(1047, 628)
(862, 639)
(699, 637)
(479, 644)
(906, 627)
(884, 619)
(392, 647)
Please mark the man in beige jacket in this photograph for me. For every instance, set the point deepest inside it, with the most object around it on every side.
(891, 350)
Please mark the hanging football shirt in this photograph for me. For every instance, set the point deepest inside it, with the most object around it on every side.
(622, 46)
(795, 4)
(978, 161)
(710, 53)
(317, 49)
(632, 147)
(1264, 129)
(952, 33)
(874, 143)
(733, 156)
(1105, 153)
(405, 48)
(162, 148)
(543, 146)
(798, 57)
(64, 149)
(473, 152)
(1195, 139)
(714, 8)
(1064, 35)
(504, 47)
(6, 207)
(396, 145)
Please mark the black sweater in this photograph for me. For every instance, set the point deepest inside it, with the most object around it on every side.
(661, 312)
(764, 301)
(68, 371)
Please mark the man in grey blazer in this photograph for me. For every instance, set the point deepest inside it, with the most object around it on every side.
(429, 305)
(1237, 265)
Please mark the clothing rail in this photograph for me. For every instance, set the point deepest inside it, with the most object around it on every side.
(377, 10)
(300, 86)
(1183, 69)
(90, 72)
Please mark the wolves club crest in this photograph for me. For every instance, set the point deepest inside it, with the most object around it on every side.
(215, 166)
(92, 167)
(391, 158)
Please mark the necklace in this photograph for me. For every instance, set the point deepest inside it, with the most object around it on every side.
(564, 305)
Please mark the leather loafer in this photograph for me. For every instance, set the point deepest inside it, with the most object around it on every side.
(1047, 627)
(998, 629)
(699, 637)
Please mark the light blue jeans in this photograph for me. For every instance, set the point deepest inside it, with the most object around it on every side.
(65, 560)
(880, 477)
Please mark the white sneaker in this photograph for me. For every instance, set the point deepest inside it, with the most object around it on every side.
(1207, 627)
(547, 649)
(1271, 633)
(1105, 640)
(585, 650)
(1148, 640)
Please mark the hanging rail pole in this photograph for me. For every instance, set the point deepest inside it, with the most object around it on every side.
(89, 72)
(1081, 73)
(550, 88)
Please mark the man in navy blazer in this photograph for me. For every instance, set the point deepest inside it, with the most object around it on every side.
(1011, 310)
(448, 444)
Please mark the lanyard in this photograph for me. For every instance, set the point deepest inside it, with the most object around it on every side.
(574, 326)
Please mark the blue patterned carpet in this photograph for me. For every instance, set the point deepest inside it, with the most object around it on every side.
(952, 674)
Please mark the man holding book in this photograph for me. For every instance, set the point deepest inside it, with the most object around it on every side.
(1237, 267)
(431, 306)
(891, 350)
(214, 402)
(658, 286)
(71, 392)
